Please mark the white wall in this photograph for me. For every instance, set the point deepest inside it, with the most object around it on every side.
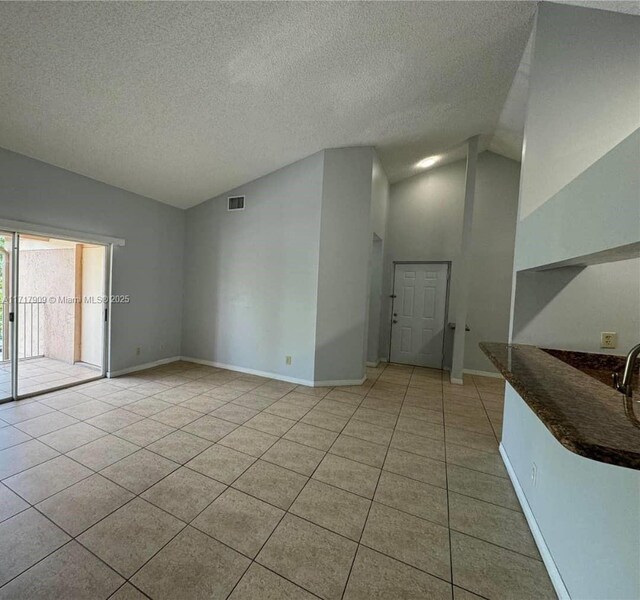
(583, 95)
(288, 276)
(252, 287)
(379, 199)
(587, 511)
(568, 308)
(580, 176)
(491, 263)
(580, 195)
(375, 301)
(251, 277)
(343, 276)
(149, 267)
(580, 188)
(379, 217)
(425, 224)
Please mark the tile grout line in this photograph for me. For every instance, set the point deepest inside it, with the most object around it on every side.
(285, 513)
(446, 478)
(213, 443)
(364, 526)
(230, 485)
(180, 464)
(189, 523)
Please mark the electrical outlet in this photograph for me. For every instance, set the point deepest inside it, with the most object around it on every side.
(287, 360)
(138, 350)
(608, 339)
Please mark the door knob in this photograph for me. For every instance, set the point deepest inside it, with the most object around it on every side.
(395, 320)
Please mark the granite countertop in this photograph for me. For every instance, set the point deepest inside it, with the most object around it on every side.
(600, 366)
(585, 415)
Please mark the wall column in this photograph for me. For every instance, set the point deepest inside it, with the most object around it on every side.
(460, 314)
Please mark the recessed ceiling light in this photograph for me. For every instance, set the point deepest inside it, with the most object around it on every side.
(427, 162)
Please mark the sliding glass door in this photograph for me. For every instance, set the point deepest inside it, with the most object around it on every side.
(53, 328)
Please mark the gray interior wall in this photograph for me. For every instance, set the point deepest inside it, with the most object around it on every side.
(148, 267)
(251, 276)
(379, 217)
(343, 276)
(425, 224)
(379, 199)
(587, 511)
(568, 308)
(580, 189)
(581, 56)
(491, 262)
(580, 194)
(580, 176)
(375, 301)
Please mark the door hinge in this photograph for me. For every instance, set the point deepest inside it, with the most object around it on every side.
(392, 296)
(106, 315)
(11, 317)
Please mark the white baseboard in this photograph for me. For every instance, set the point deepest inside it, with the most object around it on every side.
(269, 375)
(547, 559)
(372, 363)
(337, 382)
(150, 365)
(483, 373)
(456, 380)
(211, 363)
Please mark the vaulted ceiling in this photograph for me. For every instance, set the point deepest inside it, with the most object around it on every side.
(180, 101)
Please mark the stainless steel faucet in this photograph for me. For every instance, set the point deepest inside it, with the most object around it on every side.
(624, 386)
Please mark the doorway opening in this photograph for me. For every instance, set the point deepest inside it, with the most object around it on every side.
(52, 323)
(420, 299)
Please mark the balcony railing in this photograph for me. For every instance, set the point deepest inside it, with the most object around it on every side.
(30, 334)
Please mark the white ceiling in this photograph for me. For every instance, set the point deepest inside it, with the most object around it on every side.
(181, 101)
(630, 7)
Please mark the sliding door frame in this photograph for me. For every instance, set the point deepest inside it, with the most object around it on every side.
(13, 315)
(16, 228)
(106, 335)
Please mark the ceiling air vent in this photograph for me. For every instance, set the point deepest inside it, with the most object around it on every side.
(235, 203)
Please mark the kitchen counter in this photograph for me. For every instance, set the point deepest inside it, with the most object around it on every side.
(586, 416)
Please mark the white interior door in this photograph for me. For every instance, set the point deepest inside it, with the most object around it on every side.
(419, 308)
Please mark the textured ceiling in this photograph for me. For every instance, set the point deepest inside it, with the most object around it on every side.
(629, 7)
(181, 101)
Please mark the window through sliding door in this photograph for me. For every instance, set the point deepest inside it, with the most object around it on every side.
(53, 325)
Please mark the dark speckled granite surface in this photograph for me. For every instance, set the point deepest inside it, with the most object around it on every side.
(585, 415)
(600, 366)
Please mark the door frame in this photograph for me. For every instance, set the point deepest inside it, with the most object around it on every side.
(447, 263)
(25, 229)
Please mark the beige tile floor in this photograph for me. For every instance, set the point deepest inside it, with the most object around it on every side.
(40, 374)
(194, 482)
